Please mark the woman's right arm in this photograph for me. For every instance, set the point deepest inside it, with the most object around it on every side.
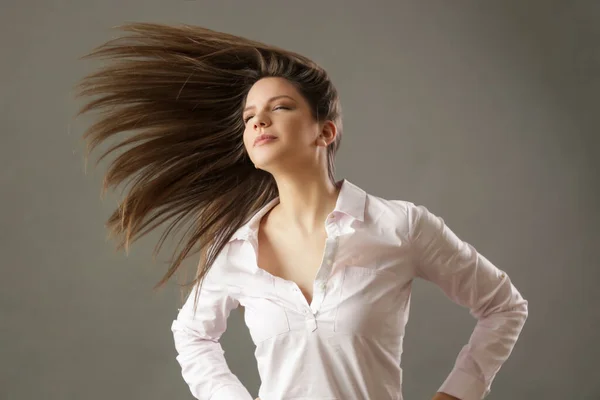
(196, 336)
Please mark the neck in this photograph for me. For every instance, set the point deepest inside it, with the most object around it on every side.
(305, 200)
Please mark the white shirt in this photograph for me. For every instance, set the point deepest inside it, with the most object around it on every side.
(347, 343)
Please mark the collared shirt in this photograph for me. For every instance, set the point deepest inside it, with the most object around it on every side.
(347, 343)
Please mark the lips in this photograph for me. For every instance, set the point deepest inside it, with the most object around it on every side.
(263, 139)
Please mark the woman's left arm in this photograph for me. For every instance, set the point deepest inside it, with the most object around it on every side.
(468, 279)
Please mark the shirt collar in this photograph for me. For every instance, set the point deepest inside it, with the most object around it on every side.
(351, 201)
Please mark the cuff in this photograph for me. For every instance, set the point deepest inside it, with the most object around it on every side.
(463, 386)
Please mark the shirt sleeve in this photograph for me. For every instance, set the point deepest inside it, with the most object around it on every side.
(472, 281)
(196, 336)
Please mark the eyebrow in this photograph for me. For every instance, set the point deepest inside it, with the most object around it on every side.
(270, 100)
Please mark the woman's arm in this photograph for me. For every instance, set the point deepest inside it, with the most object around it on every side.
(469, 279)
(196, 336)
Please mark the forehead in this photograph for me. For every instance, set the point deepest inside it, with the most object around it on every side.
(269, 87)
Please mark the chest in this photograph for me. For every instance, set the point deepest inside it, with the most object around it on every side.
(292, 258)
(362, 286)
(354, 292)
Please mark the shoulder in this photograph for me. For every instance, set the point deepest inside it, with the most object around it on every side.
(406, 217)
(390, 208)
(390, 214)
(222, 268)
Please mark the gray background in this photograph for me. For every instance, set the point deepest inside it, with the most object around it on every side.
(486, 112)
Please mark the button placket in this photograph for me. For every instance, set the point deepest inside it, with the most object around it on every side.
(322, 278)
(298, 293)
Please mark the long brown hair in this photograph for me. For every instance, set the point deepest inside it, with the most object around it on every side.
(180, 91)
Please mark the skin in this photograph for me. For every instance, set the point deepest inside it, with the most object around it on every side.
(297, 160)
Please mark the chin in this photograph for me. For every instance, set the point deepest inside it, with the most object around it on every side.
(268, 163)
(265, 166)
(265, 158)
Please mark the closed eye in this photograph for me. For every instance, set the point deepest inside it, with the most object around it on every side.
(249, 117)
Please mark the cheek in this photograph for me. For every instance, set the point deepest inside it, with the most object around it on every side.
(298, 131)
(307, 134)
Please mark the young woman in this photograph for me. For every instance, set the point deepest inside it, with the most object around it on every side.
(238, 138)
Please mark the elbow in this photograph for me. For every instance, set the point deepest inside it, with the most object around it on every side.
(520, 305)
(517, 313)
(524, 309)
(516, 307)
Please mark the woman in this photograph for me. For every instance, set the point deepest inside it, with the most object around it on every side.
(239, 138)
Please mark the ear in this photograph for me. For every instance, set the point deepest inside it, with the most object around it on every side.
(328, 133)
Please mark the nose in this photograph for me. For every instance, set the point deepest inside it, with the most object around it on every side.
(261, 121)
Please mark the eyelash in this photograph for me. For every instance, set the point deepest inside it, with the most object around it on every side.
(250, 117)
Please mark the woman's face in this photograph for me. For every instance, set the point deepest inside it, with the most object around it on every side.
(276, 111)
